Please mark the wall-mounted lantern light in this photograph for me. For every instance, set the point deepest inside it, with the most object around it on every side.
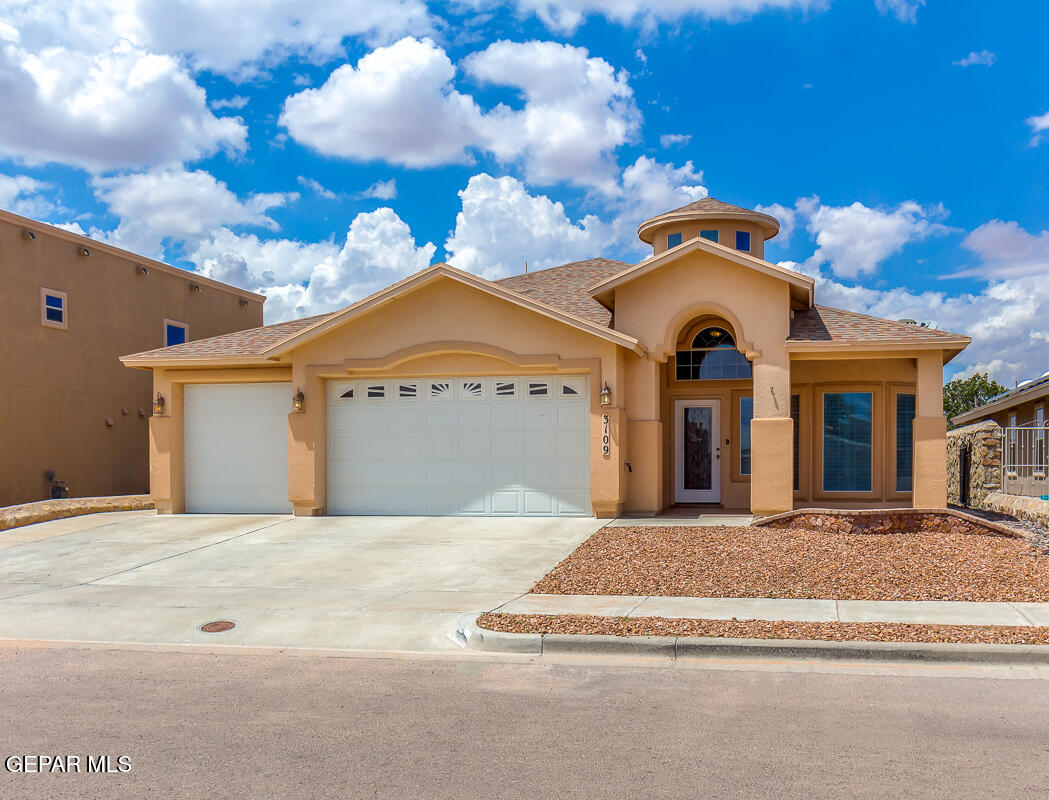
(158, 405)
(298, 400)
(606, 396)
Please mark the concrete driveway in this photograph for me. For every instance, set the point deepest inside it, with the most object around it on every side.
(369, 583)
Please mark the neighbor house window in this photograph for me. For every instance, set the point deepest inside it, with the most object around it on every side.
(904, 442)
(743, 241)
(847, 441)
(746, 414)
(712, 356)
(673, 240)
(711, 235)
(175, 332)
(53, 310)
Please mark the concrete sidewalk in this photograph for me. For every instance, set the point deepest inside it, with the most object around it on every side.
(928, 612)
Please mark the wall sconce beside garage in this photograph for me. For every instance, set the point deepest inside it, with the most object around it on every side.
(298, 401)
(158, 405)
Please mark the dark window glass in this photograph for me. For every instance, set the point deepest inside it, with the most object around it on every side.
(711, 235)
(743, 241)
(904, 442)
(53, 301)
(746, 414)
(713, 337)
(673, 240)
(174, 334)
(795, 414)
(847, 426)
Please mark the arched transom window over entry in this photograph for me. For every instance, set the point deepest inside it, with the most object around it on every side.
(712, 355)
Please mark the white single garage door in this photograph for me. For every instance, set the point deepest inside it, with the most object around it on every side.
(513, 446)
(236, 454)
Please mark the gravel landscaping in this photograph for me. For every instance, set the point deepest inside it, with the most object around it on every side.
(801, 564)
(761, 629)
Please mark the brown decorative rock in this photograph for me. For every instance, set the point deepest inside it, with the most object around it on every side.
(46, 510)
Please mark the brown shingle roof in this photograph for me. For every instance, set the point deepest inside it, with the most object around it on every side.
(826, 324)
(246, 343)
(710, 204)
(567, 287)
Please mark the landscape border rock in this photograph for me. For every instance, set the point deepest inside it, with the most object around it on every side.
(47, 510)
(887, 520)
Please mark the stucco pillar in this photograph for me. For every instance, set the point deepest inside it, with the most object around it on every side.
(167, 484)
(771, 438)
(644, 491)
(930, 434)
(307, 446)
(606, 473)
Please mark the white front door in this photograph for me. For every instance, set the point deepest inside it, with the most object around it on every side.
(697, 451)
(484, 446)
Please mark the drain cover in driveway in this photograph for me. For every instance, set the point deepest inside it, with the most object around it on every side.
(218, 626)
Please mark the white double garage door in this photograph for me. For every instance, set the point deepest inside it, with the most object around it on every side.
(492, 446)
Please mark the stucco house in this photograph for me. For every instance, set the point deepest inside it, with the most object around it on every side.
(1026, 405)
(73, 419)
(703, 374)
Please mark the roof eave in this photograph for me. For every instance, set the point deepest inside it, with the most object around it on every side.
(139, 362)
(1008, 401)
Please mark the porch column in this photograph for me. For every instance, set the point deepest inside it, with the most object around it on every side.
(307, 446)
(771, 438)
(930, 434)
(167, 484)
(644, 491)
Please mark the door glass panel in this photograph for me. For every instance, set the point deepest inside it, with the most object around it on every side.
(698, 467)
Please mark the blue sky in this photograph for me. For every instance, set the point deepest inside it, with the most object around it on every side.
(317, 152)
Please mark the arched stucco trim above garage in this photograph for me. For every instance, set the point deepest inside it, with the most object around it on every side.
(405, 359)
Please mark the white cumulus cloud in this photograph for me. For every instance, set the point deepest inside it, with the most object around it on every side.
(984, 58)
(854, 240)
(304, 278)
(382, 190)
(903, 10)
(21, 194)
(1007, 251)
(234, 37)
(120, 108)
(400, 104)
(501, 226)
(172, 203)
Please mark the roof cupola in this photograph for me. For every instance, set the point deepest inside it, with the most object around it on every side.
(728, 225)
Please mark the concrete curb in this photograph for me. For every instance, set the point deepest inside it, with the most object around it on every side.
(677, 647)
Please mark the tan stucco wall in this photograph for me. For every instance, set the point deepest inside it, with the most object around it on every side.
(58, 387)
(1024, 412)
(726, 234)
(655, 309)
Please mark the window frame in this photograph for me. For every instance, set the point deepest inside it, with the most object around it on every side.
(895, 390)
(749, 246)
(670, 238)
(174, 323)
(50, 323)
(877, 434)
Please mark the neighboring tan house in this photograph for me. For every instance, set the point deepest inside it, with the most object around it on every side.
(1026, 405)
(69, 307)
(704, 374)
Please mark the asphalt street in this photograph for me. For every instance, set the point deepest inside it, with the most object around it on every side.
(194, 724)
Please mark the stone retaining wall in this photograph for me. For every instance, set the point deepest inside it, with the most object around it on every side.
(890, 520)
(46, 510)
(984, 440)
(1029, 508)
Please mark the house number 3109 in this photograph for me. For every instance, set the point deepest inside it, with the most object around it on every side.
(605, 449)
